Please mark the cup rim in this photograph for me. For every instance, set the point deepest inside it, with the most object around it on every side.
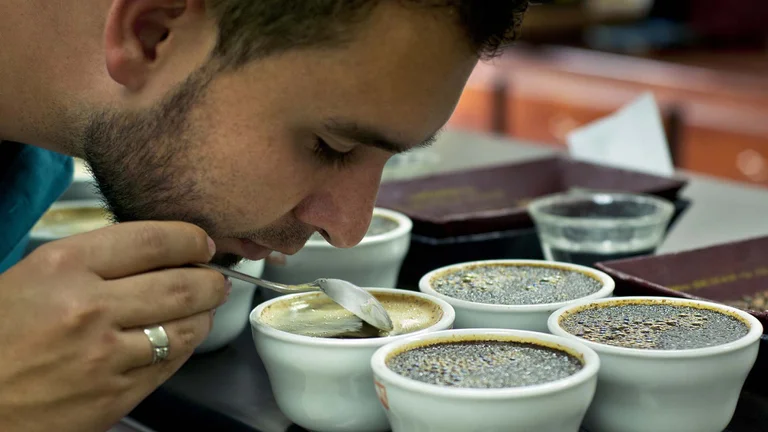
(754, 333)
(608, 285)
(449, 315)
(591, 365)
(404, 226)
(665, 210)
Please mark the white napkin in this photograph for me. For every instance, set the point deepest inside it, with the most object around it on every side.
(632, 138)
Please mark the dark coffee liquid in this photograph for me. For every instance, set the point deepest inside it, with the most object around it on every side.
(380, 225)
(484, 364)
(590, 258)
(515, 284)
(655, 326)
(367, 331)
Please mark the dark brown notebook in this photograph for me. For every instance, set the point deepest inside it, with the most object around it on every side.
(731, 273)
(494, 199)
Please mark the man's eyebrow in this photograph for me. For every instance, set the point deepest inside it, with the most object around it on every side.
(372, 137)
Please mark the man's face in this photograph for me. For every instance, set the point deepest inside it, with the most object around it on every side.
(263, 156)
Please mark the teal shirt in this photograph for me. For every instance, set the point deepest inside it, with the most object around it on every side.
(31, 179)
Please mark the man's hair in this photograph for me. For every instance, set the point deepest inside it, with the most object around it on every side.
(249, 29)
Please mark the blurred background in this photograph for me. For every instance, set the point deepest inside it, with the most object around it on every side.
(706, 62)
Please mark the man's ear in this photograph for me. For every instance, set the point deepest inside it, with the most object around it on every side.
(135, 34)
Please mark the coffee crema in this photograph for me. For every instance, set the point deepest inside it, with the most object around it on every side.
(654, 326)
(379, 225)
(63, 222)
(316, 315)
(484, 364)
(511, 284)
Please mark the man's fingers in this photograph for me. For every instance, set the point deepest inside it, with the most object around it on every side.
(184, 335)
(141, 382)
(143, 378)
(135, 247)
(165, 295)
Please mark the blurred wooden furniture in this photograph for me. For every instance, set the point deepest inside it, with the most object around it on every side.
(481, 105)
(714, 106)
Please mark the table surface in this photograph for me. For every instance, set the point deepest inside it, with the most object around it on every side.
(233, 383)
(721, 211)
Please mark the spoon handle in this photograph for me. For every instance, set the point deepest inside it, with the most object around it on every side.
(283, 289)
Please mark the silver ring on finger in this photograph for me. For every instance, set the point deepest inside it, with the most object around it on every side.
(158, 338)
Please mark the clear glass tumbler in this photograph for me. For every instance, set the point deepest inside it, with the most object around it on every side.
(589, 227)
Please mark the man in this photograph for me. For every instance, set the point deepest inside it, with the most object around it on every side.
(229, 126)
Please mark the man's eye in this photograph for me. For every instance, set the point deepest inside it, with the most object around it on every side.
(329, 155)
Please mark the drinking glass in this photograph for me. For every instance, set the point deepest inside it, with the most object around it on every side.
(588, 227)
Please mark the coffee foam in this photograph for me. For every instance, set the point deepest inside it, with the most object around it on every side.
(643, 302)
(517, 266)
(369, 234)
(69, 221)
(452, 339)
(409, 313)
(385, 219)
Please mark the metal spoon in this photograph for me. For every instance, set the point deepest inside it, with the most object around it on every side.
(349, 296)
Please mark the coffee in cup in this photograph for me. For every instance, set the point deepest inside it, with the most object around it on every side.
(512, 284)
(72, 217)
(485, 380)
(317, 315)
(666, 364)
(513, 294)
(380, 224)
(655, 326)
(484, 364)
(374, 262)
(321, 380)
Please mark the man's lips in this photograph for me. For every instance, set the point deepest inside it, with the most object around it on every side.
(253, 251)
(242, 247)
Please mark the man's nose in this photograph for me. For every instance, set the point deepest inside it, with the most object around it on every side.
(342, 209)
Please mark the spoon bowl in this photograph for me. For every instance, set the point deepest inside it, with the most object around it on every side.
(349, 296)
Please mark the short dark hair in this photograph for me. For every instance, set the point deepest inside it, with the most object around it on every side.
(249, 29)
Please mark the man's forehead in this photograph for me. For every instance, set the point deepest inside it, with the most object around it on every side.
(393, 96)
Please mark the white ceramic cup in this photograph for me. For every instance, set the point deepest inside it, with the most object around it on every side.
(691, 390)
(325, 384)
(374, 262)
(521, 317)
(414, 406)
(40, 234)
(232, 317)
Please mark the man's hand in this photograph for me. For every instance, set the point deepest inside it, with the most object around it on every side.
(73, 355)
